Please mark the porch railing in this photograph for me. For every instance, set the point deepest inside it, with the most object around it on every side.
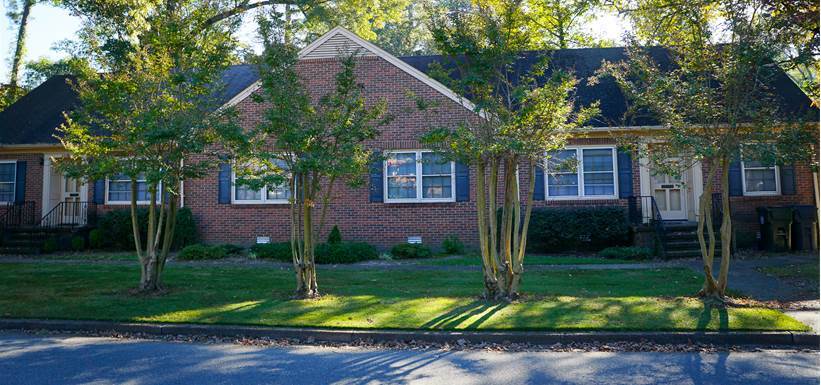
(17, 214)
(643, 211)
(70, 214)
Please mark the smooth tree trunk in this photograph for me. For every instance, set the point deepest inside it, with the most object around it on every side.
(161, 226)
(19, 48)
(716, 288)
(303, 242)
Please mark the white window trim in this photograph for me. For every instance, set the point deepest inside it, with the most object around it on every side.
(14, 184)
(264, 195)
(140, 203)
(580, 175)
(419, 198)
(760, 193)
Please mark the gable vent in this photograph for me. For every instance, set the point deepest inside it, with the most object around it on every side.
(337, 45)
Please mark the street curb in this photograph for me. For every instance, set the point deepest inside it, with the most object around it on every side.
(451, 337)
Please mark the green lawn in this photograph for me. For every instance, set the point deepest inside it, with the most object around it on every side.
(557, 300)
(803, 271)
(475, 260)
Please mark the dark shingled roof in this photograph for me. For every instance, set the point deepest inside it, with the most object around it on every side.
(35, 117)
(583, 63)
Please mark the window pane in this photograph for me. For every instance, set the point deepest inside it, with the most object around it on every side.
(433, 164)
(279, 193)
(119, 191)
(142, 192)
(6, 192)
(562, 161)
(401, 187)
(243, 193)
(563, 185)
(436, 187)
(760, 180)
(598, 183)
(598, 160)
(402, 164)
(7, 172)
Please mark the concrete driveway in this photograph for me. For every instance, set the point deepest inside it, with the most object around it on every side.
(27, 359)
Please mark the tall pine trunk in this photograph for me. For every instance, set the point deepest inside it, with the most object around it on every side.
(19, 49)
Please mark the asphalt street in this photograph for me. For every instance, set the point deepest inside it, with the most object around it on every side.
(27, 359)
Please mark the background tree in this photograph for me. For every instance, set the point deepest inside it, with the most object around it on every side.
(524, 116)
(154, 105)
(305, 145)
(18, 13)
(560, 24)
(716, 98)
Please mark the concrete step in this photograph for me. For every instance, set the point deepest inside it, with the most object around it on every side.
(17, 250)
(686, 253)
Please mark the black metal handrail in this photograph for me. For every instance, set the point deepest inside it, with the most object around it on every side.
(17, 214)
(69, 214)
(643, 210)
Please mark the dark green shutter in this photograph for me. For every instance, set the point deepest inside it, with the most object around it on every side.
(736, 187)
(20, 182)
(787, 179)
(225, 183)
(375, 181)
(538, 186)
(462, 182)
(99, 191)
(625, 162)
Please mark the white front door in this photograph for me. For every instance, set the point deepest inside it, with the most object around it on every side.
(669, 193)
(72, 201)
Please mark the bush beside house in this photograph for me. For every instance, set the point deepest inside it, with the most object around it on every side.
(577, 228)
(117, 234)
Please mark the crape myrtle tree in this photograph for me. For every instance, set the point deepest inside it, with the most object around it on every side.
(152, 111)
(715, 98)
(521, 118)
(306, 144)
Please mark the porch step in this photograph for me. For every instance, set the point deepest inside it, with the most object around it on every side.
(688, 253)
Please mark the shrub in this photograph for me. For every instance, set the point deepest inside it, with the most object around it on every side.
(630, 252)
(279, 251)
(95, 239)
(335, 237)
(452, 245)
(231, 249)
(577, 228)
(345, 252)
(411, 250)
(116, 228)
(199, 252)
(50, 245)
(78, 243)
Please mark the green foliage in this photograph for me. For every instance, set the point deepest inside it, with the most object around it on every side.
(345, 252)
(452, 245)
(96, 239)
(231, 249)
(199, 252)
(78, 243)
(50, 245)
(280, 251)
(115, 226)
(411, 251)
(577, 228)
(627, 252)
(335, 237)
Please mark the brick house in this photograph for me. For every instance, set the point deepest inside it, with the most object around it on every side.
(403, 197)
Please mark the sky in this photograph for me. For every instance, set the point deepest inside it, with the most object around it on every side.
(49, 25)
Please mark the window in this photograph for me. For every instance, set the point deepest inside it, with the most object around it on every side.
(582, 172)
(418, 176)
(118, 190)
(268, 194)
(760, 178)
(8, 178)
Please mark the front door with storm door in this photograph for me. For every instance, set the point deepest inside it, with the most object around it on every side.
(669, 193)
(73, 213)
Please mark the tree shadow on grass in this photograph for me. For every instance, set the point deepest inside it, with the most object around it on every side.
(707, 315)
(455, 317)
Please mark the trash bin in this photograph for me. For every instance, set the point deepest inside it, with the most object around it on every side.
(804, 228)
(776, 225)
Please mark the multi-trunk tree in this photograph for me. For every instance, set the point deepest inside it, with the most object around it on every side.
(521, 118)
(714, 94)
(306, 144)
(151, 113)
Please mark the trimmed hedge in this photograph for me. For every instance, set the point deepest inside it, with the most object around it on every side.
(325, 253)
(411, 250)
(452, 245)
(115, 226)
(577, 228)
(199, 252)
(629, 252)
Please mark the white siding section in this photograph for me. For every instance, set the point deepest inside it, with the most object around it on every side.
(337, 45)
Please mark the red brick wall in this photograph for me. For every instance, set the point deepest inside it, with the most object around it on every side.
(34, 178)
